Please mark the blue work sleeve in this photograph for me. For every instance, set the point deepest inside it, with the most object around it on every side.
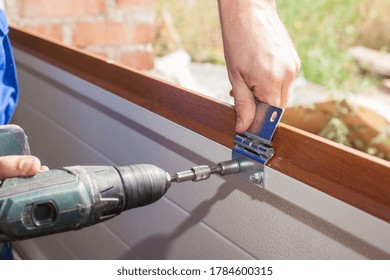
(8, 78)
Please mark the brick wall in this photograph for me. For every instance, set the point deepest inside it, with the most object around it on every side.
(118, 30)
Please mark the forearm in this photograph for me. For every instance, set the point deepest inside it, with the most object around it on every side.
(234, 3)
(260, 57)
(246, 22)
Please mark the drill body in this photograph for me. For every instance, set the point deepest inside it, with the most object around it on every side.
(75, 197)
(70, 198)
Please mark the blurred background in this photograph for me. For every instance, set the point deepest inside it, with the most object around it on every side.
(342, 92)
(322, 31)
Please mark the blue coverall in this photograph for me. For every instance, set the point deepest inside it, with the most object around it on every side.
(8, 95)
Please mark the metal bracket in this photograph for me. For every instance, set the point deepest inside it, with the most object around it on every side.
(255, 144)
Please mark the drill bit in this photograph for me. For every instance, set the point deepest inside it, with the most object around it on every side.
(203, 172)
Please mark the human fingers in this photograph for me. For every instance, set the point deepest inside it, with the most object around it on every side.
(43, 168)
(285, 88)
(273, 85)
(291, 73)
(244, 102)
(19, 166)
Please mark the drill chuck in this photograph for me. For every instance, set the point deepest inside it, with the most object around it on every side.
(143, 184)
(203, 172)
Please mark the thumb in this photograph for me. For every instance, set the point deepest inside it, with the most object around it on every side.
(245, 108)
(17, 166)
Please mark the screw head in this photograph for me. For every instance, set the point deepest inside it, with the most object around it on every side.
(256, 177)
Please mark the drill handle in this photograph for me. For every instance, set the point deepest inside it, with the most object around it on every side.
(13, 141)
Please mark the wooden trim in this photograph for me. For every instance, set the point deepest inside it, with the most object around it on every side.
(162, 98)
(346, 174)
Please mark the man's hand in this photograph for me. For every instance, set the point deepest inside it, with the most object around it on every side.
(260, 57)
(20, 166)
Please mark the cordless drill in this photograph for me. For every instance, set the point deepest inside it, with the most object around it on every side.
(75, 197)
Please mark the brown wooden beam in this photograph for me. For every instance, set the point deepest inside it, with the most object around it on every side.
(342, 172)
(346, 174)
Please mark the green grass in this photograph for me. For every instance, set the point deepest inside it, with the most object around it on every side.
(322, 31)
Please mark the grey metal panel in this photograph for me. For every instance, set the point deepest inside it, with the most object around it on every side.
(44, 248)
(70, 121)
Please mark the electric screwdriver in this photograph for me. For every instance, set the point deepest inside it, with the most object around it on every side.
(71, 198)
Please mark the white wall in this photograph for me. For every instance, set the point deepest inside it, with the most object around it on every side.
(70, 121)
